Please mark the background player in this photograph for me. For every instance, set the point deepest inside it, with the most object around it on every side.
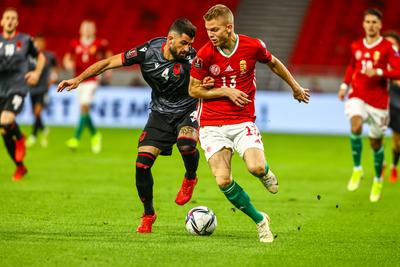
(83, 53)
(367, 74)
(39, 92)
(15, 49)
(226, 112)
(165, 65)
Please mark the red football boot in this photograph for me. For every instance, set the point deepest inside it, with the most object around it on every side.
(393, 174)
(146, 224)
(20, 149)
(185, 194)
(19, 173)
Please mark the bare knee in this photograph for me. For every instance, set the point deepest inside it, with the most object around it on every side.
(257, 169)
(356, 125)
(223, 181)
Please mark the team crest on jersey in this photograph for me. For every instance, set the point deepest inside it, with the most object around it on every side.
(377, 55)
(92, 50)
(358, 54)
(177, 70)
(198, 63)
(131, 53)
(243, 66)
(19, 45)
(215, 69)
(367, 55)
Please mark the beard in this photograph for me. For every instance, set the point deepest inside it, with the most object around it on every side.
(175, 54)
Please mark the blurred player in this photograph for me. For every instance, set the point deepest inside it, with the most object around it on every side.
(367, 74)
(83, 53)
(15, 49)
(394, 110)
(39, 92)
(165, 65)
(226, 112)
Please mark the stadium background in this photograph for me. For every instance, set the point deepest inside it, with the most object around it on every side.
(79, 209)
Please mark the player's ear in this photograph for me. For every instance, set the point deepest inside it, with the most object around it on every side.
(229, 28)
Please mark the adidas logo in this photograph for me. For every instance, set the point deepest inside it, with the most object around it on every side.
(229, 68)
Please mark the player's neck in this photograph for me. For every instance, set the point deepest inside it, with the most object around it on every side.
(372, 39)
(167, 53)
(87, 40)
(9, 35)
(229, 46)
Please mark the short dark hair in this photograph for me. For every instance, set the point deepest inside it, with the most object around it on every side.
(183, 26)
(393, 34)
(374, 12)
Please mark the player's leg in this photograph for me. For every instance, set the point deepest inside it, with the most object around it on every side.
(395, 156)
(356, 112)
(186, 143)
(157, 138)
(394, 124)
(378, 122)
(144, 185)
(37, 125)
(248, 143)
(14, 142)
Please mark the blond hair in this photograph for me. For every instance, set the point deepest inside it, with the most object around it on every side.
(219, 11)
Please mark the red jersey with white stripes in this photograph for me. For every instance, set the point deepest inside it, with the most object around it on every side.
(379, 55)
(85, 55)
(236, 70)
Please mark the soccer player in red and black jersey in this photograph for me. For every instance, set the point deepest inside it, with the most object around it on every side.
(84, 52)
(367, 77)
(226, 112)
(15, 79)
(165, 65)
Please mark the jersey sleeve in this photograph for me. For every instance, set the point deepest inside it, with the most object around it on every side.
(263, 55)
(32, 50)
(394, 62)
(135, 55)
(199, 70)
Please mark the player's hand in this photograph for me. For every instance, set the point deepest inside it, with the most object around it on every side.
(302, 95)
(32, 78)
(342, 94)
(208, 82)
(69, 84)
(370, 72)
(238, 97)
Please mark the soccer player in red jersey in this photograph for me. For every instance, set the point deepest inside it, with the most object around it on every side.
(368, 99)
(83, 53)
(226, 112)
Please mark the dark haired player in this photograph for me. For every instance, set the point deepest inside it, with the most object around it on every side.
(15, 50)
(165, 64)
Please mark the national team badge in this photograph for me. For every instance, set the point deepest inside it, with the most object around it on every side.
(367, 55)
(19, 45)
(243, 66)
(358, 54)
(377, 55)
(177, 69)
(215, 69)
(92, 50)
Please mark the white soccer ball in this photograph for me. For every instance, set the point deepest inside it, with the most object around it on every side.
(201, 221)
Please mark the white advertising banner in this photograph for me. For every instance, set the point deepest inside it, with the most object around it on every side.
(128, 107)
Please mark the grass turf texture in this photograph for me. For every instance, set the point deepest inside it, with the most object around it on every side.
(82, 209)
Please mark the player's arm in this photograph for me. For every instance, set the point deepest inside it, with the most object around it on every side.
(199, 89)
(299, 93)
(93, 70)
(392, 72)
(32, 77)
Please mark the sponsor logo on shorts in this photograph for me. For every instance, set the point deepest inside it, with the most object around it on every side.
(142, 136)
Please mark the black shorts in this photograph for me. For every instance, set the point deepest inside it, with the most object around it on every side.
(13, 103)
(162, 130)
(41, 99)
(394, 122)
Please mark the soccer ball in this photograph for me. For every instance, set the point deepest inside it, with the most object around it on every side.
(201, 221)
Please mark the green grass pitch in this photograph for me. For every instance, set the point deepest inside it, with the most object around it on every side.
(80, 209)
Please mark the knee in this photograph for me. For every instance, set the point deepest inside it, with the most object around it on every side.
(223, 182)
(186, 145)
(257, 169)
(356, 129)
(144, 161)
